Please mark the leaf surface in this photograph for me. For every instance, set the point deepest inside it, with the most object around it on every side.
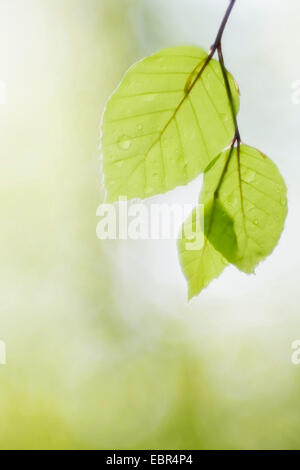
(253, 194)
(201, 266)
(165, 123)
(245, 206)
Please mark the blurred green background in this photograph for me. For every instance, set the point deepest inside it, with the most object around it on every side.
(103, 350)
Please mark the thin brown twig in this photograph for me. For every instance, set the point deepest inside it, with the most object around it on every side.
(217, 47)
(223, 25)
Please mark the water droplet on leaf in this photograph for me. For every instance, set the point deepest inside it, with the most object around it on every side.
(249, 176)
(283, 201)
(124, 142)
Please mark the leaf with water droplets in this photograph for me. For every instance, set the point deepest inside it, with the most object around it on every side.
(201, 265)
(245, 206)
(165, 123)
(252, 192)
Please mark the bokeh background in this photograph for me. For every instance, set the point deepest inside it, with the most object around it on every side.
(103, 349)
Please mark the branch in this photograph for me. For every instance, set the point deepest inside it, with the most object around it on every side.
(223, 25)
(217, 46)
(237, 137)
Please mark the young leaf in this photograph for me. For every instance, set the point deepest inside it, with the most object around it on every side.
(245, 207)
(199, 266)
(253, 195)
(165, 123)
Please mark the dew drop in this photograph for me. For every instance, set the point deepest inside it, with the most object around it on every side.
(249, 176)
(283, 201)
(124, 142)
(225, 117)
(232, 199)
(149, 190)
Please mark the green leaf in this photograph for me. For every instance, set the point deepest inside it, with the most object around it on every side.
(252, 192)
(200, 266)
(245, 206)
(165, 123)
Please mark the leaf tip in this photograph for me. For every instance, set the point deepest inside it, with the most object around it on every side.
(191, 295)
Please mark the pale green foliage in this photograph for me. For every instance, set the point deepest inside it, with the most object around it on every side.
(199, 266)
(245, 207)
(253, 194)
(165, 123)
(171, 118)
